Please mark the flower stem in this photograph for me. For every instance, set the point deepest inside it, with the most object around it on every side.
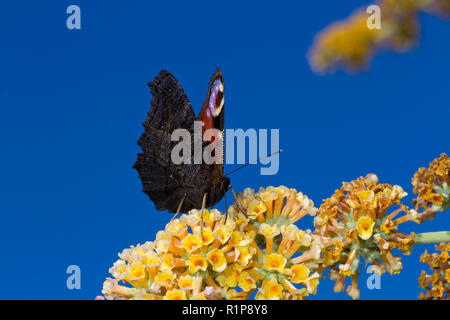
(433, 237)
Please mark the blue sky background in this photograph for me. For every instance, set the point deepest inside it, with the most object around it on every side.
(72, 104)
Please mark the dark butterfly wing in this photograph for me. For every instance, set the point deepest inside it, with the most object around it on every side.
(170, 107)
(170, 110)
(164, 182)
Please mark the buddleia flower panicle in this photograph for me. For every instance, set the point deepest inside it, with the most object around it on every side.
(357, 222)
(180, 264)
(437, 284)
(254, 250)
(432, 187)
(284, 264)
(351, 44)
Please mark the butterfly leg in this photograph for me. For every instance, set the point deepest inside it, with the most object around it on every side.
(226, 209)
(203, 210)
(179, 207)
(236, 202)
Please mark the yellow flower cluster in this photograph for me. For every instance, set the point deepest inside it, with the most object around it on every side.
(255, 249)
(285, 259)
(345, 43)
(354, 223)
(433, 187)
(437, 285)
(179, 264)
(351, 44)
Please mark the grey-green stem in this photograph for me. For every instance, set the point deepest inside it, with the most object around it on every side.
(433, 237)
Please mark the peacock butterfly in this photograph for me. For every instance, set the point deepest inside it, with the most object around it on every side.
(167, 184)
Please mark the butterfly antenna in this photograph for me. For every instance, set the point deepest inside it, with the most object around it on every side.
(253, 162)
(203, 210)
(179, 208)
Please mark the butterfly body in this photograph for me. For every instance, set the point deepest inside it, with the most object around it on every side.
(166, 183)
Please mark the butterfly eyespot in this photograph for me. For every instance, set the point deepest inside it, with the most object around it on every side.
(216, 98)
